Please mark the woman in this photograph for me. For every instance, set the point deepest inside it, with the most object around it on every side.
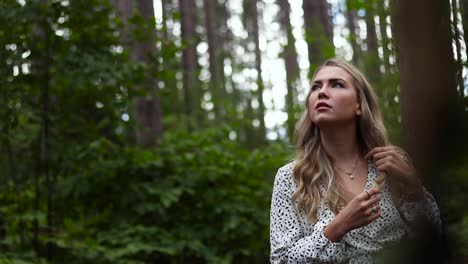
(348, 193)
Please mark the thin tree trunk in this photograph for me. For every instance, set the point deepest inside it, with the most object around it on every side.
(373, 63)
(292, 68)
(353, 38)
(213, 50)
(383, 14)
(189, 60)
(258, 68)
(41, 64)
(456, 39)
(148, 113)
(319, 32)
(464, 11)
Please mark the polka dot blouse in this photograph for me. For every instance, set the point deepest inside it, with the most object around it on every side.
(293, 239)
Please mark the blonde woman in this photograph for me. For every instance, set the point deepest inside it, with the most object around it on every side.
(348, 193)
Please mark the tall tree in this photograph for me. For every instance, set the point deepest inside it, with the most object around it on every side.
(385, 40)
(372, 56)
(353, 36)
(215, 66)
(319, 32)
(147, 107)
(189, 60)
(426, 62)
(456, 40)
(431, 112)
(41, 64)
(290, 59)
(251, 17)
(464, 12)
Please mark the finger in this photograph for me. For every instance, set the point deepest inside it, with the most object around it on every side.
(383, 154)
(372, 217)
(373, 209)
(376, 150)
(367, 194)
(388, 159)
(373, 200)
(386, 167)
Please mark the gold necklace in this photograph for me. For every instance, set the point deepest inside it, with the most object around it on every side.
(350, 174)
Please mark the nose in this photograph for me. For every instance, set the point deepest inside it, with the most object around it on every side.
(322, 93)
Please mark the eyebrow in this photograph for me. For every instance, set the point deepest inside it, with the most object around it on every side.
(330, 80)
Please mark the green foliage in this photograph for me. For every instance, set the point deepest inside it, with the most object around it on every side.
(198, 197)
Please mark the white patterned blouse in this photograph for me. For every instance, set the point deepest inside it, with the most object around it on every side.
(294, 239)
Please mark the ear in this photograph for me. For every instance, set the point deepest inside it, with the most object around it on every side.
(358, 111)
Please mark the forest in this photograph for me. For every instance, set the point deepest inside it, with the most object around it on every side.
(150, 131)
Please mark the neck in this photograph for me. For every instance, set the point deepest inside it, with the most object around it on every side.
(340, 143)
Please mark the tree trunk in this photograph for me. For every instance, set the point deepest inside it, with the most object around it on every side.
(41, 61)
(216, 69)
(353, 36)
(292, 68)
(372, 58)
(258, 68)
(464, 11)
(430, 109)
(319, 32)
(456, 39)
(189, 60)
(147, 108)
(385, 41)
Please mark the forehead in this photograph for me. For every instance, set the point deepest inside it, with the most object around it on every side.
(332, 72)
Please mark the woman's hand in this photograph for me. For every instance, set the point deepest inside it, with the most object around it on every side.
(360, 211)
(396, 164)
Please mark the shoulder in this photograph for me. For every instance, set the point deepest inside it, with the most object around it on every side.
(284, 176)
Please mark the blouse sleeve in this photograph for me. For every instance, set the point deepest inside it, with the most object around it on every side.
(287, 241)
(427, 207)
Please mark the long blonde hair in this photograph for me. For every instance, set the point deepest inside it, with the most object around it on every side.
(313, 166)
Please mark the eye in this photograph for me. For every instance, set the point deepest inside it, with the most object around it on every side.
(338, 84)
(315, 87)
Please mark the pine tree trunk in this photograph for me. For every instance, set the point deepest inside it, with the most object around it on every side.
(353, 36)
(464, 10)
(426, 62)
(258, 68)
(456, 40)
(319, 32)
(383, 14)
(216, 84)
(292, 68)
(189, 61)
(372, 57)
(147, 109)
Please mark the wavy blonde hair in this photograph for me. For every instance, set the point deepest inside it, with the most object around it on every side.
(313, 165)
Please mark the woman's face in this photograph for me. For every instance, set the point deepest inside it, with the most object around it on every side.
(333, 98)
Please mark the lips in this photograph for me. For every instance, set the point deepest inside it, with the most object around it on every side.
(322, 105)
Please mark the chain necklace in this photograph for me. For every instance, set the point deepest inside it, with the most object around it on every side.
(350, 174)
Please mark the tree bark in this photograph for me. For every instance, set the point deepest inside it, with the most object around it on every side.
(147, 109)
(464, 11)
(372, 58)
(457, 39)
(258, 68)
(319, 32)
(353, 38)
(41, 61)
(216, 69)
(189, 60)
(385, 41)
(430, 109)
(292, 68)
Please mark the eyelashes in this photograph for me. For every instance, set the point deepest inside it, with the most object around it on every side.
(334, 85)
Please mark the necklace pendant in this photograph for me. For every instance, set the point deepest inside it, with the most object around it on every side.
(351, 176)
